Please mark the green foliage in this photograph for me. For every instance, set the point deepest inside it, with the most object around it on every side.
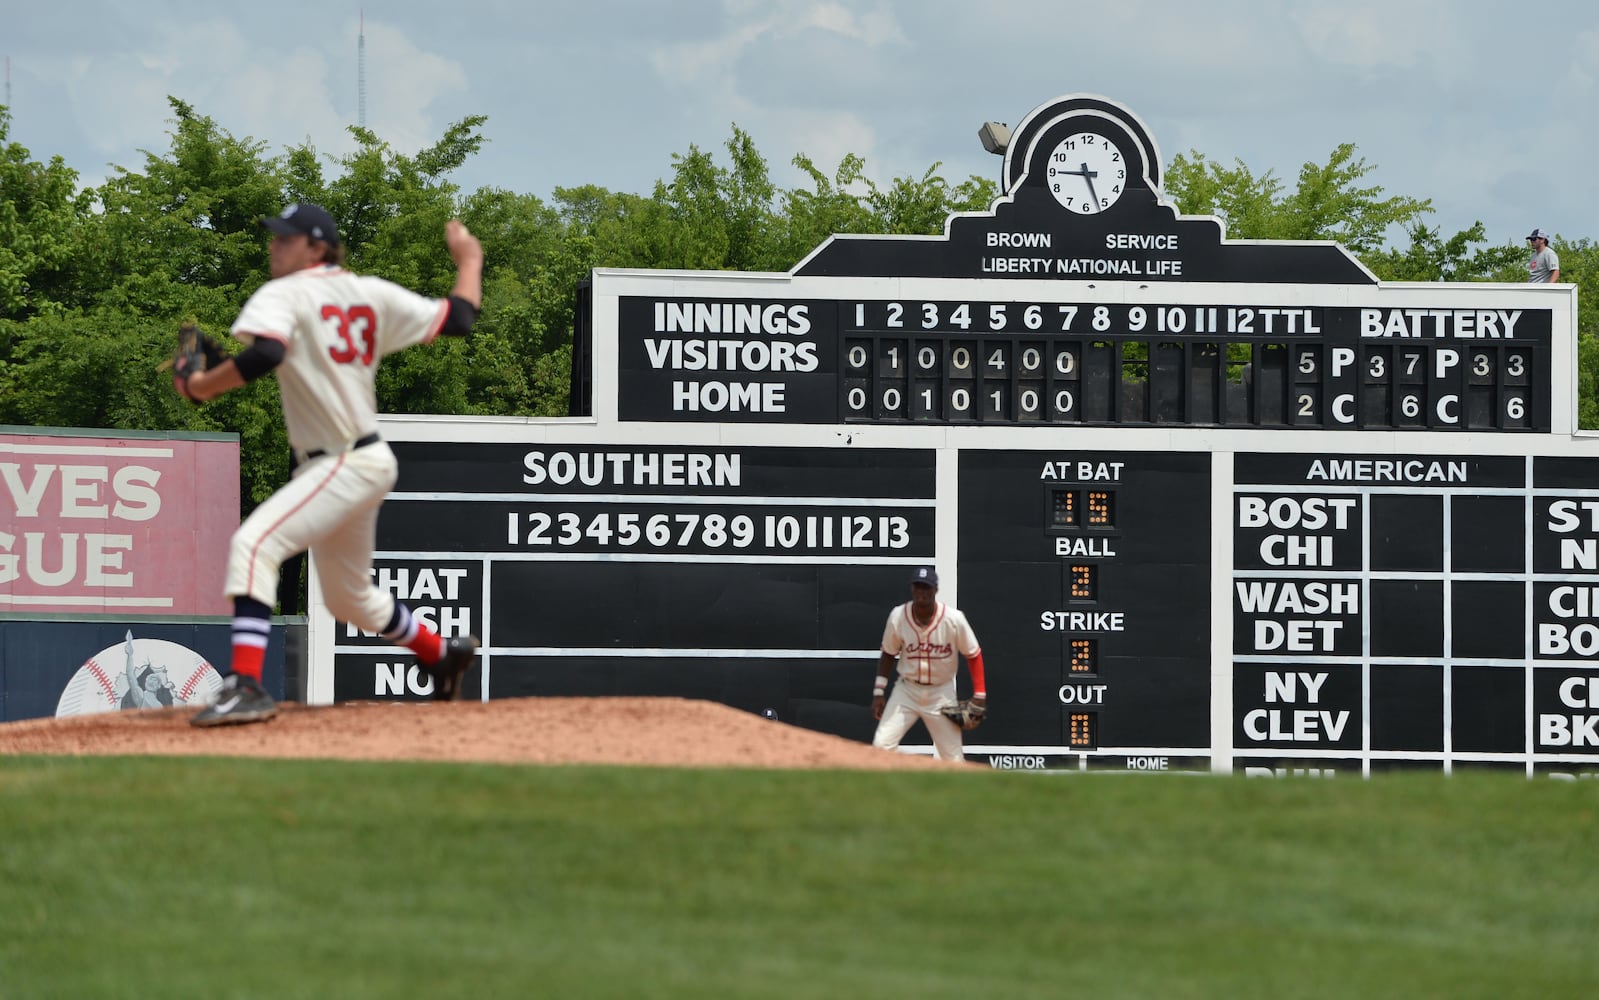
(40, 213)
(1246, 204)
(713, 218)
(392, 208)
(92, 370)
(1579, 265)
(1327, 203)
(921, 206)
(808, 218)
(181, 238)
(1430, 257)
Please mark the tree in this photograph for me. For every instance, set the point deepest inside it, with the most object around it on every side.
(392, 207)
(1247, 205)
(181, 237)
(1430, 257)
(921, 206)
(1579, 265)
(40, 215)
(807, 218)
(1326, 204)
(713, 218)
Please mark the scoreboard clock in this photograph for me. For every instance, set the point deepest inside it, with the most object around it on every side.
(1088, 172)
(1209, 504)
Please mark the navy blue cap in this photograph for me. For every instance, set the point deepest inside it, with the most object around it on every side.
(311, 220)
(925, 575)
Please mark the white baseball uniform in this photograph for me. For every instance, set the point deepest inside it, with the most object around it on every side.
(336, 326)
(929, 659)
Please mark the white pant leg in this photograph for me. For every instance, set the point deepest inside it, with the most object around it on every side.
(946, 736)
(899, 715)
(909, 702)
(344, 568)
(324, 495)
(344, 556)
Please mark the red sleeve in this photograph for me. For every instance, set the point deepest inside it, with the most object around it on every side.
(974, 664)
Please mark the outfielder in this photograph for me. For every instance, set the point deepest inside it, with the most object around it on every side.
(926, 639)
(324, 330)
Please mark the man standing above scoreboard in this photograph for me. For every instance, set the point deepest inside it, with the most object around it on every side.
(1545, 265)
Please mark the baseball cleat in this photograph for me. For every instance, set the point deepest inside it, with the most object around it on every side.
(241, 700)
(459, 652)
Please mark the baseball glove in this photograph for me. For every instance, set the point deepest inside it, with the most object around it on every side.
(966, 714)
(196, 352)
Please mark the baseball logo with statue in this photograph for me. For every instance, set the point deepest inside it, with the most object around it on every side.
(139, 673)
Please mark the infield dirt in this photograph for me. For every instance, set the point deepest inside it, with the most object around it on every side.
(665, 732)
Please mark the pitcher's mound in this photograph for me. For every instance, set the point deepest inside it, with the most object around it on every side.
(668, 732)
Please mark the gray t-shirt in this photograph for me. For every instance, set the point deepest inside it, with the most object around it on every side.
(1543, 265)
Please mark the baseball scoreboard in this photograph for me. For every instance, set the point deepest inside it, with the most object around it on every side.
(1209, 505)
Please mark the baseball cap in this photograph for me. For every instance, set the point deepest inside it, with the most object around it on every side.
(1538, 234)
(312, 220)
(925, 575)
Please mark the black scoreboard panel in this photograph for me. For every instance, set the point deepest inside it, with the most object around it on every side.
(1422, 610)
(1064, 363)
(755, 576)
(1209, 504)
(1433, 611)
(1071, 363)
(1086, 577)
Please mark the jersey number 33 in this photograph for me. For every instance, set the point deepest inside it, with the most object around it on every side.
(357, 331)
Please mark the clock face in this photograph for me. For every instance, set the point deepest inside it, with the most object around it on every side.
(1087, 173)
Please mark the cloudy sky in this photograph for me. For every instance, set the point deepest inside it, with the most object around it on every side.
(1487, 108)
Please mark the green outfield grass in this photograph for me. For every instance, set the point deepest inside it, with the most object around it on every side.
(134, 877)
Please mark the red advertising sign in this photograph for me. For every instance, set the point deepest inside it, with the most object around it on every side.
(116, 524)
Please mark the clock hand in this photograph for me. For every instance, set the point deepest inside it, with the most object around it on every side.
(1089, 175)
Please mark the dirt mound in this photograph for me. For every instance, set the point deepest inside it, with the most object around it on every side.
(668, 732)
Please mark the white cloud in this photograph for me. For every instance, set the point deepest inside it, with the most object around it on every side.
(873, 27)
(1374, 37)
(403, 84)
(714, 57)
(281, 95)
(1417, 84)
(117, 105)
(693, 63)
(825, 137)
(1583, 72)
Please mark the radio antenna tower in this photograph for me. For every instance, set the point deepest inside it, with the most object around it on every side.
(360, 73)
(8, 83)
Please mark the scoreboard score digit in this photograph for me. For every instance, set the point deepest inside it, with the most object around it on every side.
(1071, 509)
(1084, 656)
(1311, 367)
(1083, 731)
(1101, 509)
(1084, 582)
